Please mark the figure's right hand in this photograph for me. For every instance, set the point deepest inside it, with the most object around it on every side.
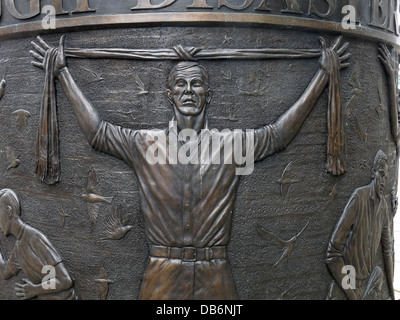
(41, 55)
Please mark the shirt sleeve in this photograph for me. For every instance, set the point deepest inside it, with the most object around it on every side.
(267, 141)
(339, 237)
(12, 267)
(45, 252)
(115, 140)
(387, 238)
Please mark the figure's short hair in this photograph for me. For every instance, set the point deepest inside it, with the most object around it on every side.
(186, 65)
(9, 198)
(380, 156)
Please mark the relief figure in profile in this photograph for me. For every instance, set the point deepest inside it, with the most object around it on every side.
(362, 228)
(33, 254)
(187, 207)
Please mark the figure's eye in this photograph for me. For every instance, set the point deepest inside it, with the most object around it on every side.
(197, 83)
(180, 83)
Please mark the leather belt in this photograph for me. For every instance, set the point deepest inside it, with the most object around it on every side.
(190, 254)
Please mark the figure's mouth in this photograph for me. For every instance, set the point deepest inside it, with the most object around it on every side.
(188, 101)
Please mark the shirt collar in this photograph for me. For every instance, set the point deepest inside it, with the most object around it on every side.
(372, 193)
(173, 128)
(21, 232)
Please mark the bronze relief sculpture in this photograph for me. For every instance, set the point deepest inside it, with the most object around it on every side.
(188, 216)
(168, 215)
(362, 228)
(31, 254)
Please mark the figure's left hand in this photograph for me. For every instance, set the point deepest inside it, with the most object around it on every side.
(25, 290)
(338, 49)
(389, 61)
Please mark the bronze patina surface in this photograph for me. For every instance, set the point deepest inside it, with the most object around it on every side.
(198, 149)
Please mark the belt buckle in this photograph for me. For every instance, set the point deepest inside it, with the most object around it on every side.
(189, 254)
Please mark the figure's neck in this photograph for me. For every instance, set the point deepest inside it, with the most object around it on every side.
(196, 123)
(374, 195)
(17, 227)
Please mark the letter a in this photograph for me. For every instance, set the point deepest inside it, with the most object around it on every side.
(349, 280)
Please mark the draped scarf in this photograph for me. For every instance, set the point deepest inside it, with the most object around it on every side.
(47, 162)
(47, 144)
(336, 146)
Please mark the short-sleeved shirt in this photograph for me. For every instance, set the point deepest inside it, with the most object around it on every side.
(32, 251)
(362, 229)
(183, 204)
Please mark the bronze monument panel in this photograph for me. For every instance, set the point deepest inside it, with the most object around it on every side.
(216, 155)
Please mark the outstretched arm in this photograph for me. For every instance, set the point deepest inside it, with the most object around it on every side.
(289, 123)
(88, 117)
(390, 63)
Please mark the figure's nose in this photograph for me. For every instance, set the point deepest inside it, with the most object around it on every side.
(188, 89)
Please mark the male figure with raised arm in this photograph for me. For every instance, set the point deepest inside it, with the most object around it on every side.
(187, 208)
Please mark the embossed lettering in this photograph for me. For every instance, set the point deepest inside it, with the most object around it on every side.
(263, 6)
(292, 6)
(34, 9)
(379, 13)
(146, 4)
(199, 4)
(82, 6)
(226, 3)
(331, 9)
(393, 19)
(57, 4)
(384, 15)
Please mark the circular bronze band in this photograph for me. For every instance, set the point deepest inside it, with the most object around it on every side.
(199, 18)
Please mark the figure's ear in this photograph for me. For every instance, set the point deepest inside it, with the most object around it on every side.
(9, 210)
(169, 96)
(373, 173)
(209, 96)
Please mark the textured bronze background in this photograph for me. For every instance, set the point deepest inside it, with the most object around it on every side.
(246, 94)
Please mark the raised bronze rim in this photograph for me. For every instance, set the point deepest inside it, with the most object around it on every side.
(199, 18)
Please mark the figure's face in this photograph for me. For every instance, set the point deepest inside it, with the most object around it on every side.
(380, 179)
(4, 219)
(189, 92)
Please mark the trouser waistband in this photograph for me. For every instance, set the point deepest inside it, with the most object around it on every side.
(190, 254)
